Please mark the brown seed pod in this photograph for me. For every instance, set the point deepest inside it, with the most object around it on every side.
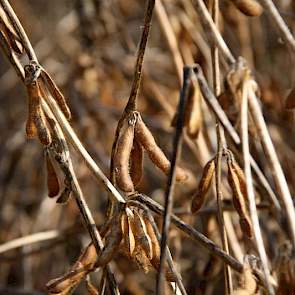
(141, 259)
(241, 176)
(239, 200)
(112, 243)
(154, 240)
(36, 123)
(122, 156)
(33, 103)
(146, 139)
(290, 100)
(59, 287)
(42, 128)
(248, 7)
(141, 236)
(128, 236)
(52, 179)
(194, 112)
(56, 93)
(136, 162)
(203, 187)
(88, 256)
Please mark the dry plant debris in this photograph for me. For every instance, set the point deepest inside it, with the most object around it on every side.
(233, 131)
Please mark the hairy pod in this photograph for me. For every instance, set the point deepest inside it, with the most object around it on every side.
(60, 287)
(42, 128)
(52, 179)
(154, 240)
(248, 7)
(147, 140)
(170, 276)
(241, 177)
(203, 187)
(56, 93)
(128, 235)
(122, 156)
(112, 243)
(239, 200)
(88, 256)
(141, 236)
(136, 163)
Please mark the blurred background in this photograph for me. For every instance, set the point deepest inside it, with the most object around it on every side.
(89, 48)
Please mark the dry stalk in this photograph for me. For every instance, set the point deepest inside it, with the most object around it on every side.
(177, 141)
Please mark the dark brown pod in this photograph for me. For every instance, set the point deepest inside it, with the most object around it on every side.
(203, 187)
(52, 179)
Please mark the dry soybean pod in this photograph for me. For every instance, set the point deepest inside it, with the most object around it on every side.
(42, 128)
(56, 93)
(52, 179)
(141, 236)
(34, 101)
(248, 7)
(128, 236)
(122, 156)
(146, 139)
(194, 111)
(239, 200)
(203, 187)
(136, 163)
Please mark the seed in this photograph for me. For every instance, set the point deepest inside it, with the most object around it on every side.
(203, 187)
(122, 156)
(248, 7)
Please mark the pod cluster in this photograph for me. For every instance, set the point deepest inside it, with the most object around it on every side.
(134, 139)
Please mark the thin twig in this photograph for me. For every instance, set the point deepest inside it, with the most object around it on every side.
(29, 240)
(170, 37)
(214, 33)
(249, 185)
(278, 20)
(19, 29)
(274, 162)
(177, 142)
(220, 147)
